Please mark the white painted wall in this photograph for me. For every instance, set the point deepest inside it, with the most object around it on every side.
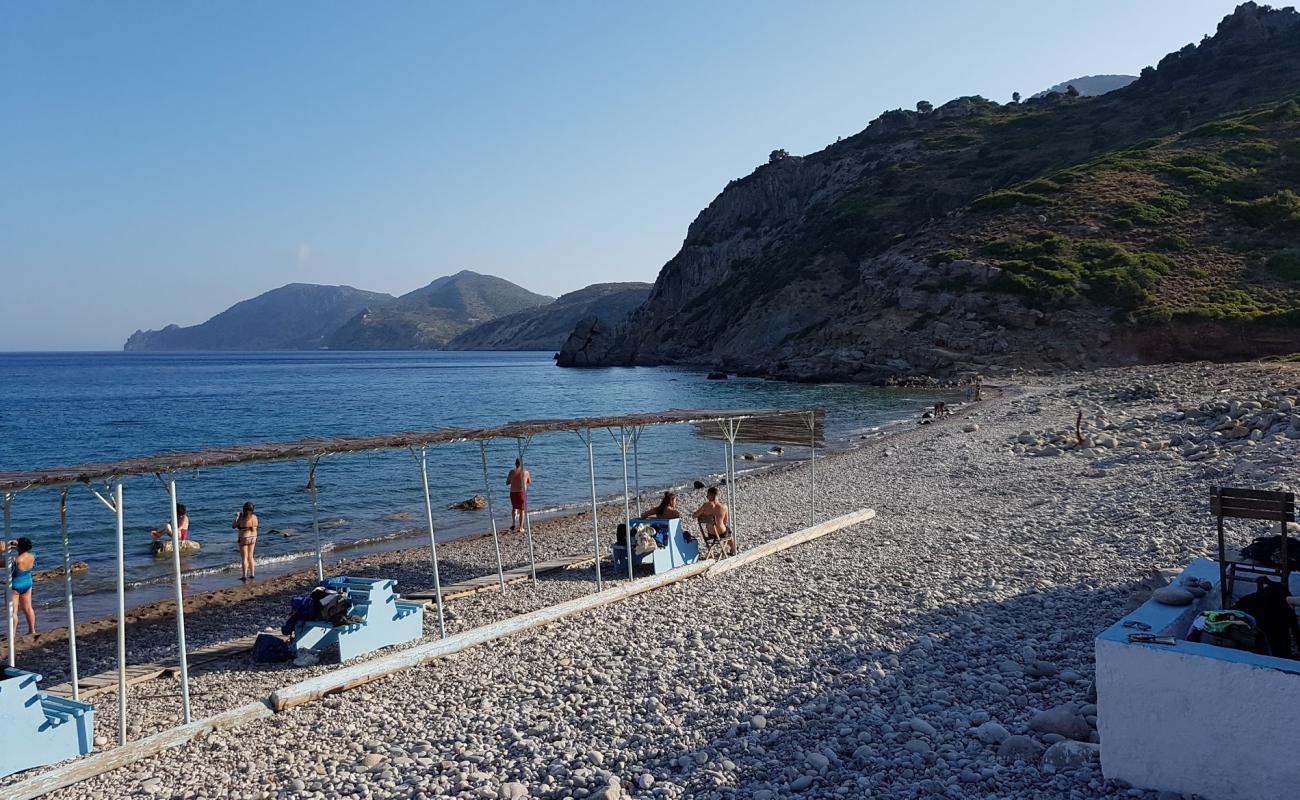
(1194, 718)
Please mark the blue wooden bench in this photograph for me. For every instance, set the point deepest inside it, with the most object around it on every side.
(39, 728)
(386, 620)
(675, 552)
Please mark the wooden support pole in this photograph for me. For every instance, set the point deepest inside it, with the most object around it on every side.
(798, 537)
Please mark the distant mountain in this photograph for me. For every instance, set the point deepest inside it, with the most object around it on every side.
(1091, 85)
(546, 327)
(429, 317)
(298, 316)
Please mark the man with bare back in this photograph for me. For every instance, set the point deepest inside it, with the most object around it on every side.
(518, 480)
(716, 519)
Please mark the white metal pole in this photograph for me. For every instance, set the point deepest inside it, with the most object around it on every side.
(636, 467)
(180, 601)
(595, 525)
(121, 612)
(528, 523)
(9, 578)
(487, 489)
(627, 508)
(315, 521)
(67, 594)
(812, 466)
(735, 489)
(433, 543)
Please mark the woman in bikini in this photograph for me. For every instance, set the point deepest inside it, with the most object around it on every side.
(246, 523)
(21, 574)
(667, 508)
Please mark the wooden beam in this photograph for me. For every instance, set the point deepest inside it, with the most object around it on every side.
(358, 674)
(798, 537)
(99, 763)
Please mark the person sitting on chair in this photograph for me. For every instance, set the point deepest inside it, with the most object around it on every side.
(667, 508)
(716, 519)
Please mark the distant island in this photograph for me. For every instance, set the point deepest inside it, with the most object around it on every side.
(465, 311)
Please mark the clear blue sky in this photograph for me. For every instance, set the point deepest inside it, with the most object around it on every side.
(161, 161)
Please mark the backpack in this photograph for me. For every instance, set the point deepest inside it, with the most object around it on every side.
(1268, 550)
(270, 649)
(1232, 629)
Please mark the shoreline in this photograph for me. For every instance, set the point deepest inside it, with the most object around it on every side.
(218, 589)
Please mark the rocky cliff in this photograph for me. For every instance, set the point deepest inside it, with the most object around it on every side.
(298, 316)
(546, 327)
(1059, 232)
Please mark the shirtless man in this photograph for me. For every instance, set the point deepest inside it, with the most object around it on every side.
(518, 480)
(716, 518)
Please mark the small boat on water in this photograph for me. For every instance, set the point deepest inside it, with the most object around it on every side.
(163, 547)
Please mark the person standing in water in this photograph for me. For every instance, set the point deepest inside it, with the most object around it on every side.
(21, 576)
(518, 480)
(246, 523)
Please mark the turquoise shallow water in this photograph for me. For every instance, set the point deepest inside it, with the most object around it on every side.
(73, 408)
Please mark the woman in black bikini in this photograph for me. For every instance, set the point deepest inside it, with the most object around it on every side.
(246, 523)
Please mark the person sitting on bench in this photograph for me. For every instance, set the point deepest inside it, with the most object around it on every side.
(667, 508)
(716, 519)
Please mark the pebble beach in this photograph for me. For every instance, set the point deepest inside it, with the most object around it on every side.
(942, 649)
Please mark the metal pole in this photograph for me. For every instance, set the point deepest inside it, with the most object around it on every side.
(627, 509)
(315, 521)
(595, 525)
(636, 466)
(433, 544)
(9, 579)
(180, 601)
(121, 613)
(528, 523)
(67, 594)
(735, 489)
(812, 466)
(487, 488)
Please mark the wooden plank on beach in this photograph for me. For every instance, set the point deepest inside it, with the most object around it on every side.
(99, 763)
(484, 583)
(95, 685)
(790, 540)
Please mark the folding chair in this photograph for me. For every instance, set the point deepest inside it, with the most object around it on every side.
(714, 547)
(1229, 503)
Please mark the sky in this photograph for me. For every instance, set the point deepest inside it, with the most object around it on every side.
(160, 161)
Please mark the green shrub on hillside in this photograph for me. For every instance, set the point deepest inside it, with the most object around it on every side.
(1171, 243)
(1055, 268)
(994, 201)
(1284, 265)
(1278, 210)
(944, 257)
(1224, 127)
(1155, 210)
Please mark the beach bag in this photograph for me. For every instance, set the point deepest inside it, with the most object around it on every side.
(332, 606)
(1232, 629)
(645, 539)
(270, 649)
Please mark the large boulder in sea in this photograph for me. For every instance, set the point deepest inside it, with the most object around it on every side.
(588, 346)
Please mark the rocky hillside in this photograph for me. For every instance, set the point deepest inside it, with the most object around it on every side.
(1091, 85)
(298, 316)
(429, 317)
(1157, 221)
(546, 327)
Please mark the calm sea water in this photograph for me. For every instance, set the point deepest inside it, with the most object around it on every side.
(74, 408)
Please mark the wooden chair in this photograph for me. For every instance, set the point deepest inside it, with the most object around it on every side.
(1229, 503)
(714, 547)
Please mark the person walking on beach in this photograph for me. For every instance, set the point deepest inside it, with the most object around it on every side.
(21, 575)
(518, 480)
(716, 519)
(246, 523)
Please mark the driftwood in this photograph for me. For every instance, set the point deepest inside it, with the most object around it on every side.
(798, 537)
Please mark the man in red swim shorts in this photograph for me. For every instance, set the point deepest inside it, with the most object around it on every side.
(518, 480)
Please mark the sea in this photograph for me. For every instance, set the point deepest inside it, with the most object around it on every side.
(59, 409)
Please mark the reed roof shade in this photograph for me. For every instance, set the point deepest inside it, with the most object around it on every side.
(796, 427)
